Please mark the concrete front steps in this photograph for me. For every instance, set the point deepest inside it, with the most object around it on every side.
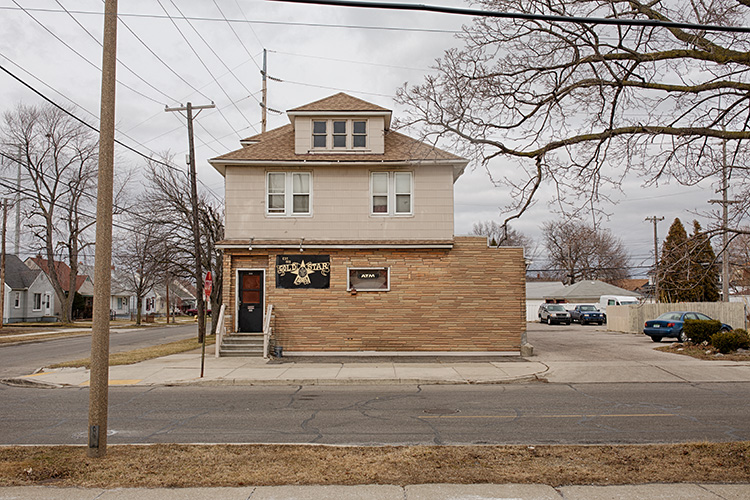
(241, 345)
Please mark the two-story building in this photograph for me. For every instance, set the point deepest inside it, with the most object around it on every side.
(346, 227)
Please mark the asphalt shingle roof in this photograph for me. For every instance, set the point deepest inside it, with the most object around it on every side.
(18, 276)
(340, 102)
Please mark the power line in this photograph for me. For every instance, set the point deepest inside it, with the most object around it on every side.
(85, 123)
(521, 15)
(203, 63)
(249, 22)
(81, 55)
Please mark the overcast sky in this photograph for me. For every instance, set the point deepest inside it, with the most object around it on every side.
(315, 50)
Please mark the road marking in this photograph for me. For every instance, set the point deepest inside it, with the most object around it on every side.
(610, 415)
(118, 382)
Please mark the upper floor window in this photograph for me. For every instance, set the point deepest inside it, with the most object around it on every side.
(339, 134)
(320, 135)
(391, 193)
(288, 193)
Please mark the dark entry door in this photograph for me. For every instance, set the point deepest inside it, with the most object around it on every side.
(250, 301)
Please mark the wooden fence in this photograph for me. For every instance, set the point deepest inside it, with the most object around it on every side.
(631, 318)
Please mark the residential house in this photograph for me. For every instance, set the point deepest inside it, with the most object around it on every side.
(84, 286)
(181, 297)
(29, 296)
(345, 227)
(121, 300)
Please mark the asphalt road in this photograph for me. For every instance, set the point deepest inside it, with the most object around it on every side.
(533, 413)
(372, 415)
(23, 359)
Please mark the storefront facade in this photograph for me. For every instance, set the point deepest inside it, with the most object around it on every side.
(346, 228)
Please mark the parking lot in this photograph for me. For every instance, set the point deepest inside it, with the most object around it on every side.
(589, 343)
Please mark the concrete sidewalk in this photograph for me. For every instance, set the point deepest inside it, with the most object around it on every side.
(389, 492)
(184, 369)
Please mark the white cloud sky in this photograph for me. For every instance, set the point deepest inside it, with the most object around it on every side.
(322, 60)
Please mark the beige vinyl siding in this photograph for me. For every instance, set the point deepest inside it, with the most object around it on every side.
(375, 132)
(340, 206)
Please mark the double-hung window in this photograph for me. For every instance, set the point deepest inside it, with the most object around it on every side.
(339, 134)
(17, 300)
(288, 193)
(391, 193)
(37, 301)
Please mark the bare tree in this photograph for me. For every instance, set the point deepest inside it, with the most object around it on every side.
(580, 252)
(503, 236)
(167, 197)
(59, 160)
(138, 255)
(583, 105)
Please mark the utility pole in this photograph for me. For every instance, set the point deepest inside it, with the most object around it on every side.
(724, 202)
(655, 220)
(17, 236)
(99, 378)
(2, 264)
(264, 105)
(194, 204)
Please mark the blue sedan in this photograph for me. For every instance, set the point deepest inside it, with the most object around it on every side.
(670, 325)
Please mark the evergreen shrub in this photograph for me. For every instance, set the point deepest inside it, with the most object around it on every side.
(726, 342)
(699, 331)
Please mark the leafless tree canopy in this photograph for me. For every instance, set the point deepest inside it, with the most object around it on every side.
(579, 252)
(503, 236)
(584, 105)
(167, 202)
(59, 159)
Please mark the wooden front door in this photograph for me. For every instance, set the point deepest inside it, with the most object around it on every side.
(250, 301)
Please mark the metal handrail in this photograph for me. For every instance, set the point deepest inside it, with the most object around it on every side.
(220, 330)
(267, 331)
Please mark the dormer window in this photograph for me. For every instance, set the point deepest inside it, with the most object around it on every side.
(339, 134)
(320, 135)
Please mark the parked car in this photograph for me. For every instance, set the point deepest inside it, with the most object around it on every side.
(670, 325)
(586, 313)
(554, 313)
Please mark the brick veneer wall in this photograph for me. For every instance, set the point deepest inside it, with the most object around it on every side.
(470, 298)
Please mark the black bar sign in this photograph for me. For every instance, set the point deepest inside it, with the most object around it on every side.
(303, 271)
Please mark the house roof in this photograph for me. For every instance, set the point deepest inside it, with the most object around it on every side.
(632, 284)
(592, 290)
(63, 273)
(18, 276)
(542, 289)
(278, 145)
(340, 102)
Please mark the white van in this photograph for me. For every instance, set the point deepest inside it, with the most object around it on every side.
(616, 300)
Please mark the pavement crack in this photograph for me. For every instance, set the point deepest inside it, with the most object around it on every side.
(305, 425)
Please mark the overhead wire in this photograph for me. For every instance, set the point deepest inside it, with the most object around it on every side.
(195, 52)
(81, 55)
(88, 125)
(119, 61)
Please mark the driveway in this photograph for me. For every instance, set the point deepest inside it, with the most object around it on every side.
(590, 343)
(591, 354)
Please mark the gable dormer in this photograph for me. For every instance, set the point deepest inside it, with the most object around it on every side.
(340, 124)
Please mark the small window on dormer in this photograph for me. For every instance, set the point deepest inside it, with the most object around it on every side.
(359, 135)
(339, 134)
(319, 134)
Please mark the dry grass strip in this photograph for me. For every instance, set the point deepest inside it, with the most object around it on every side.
(143, 354)
(177, 466)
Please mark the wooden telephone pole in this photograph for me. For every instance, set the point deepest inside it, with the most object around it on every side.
(195, 220)
(655, 220)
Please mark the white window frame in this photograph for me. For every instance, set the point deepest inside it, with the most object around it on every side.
(289, 195)
(17, 300)
(37, 300)
(365, 268)
(349, 134)
(392, 194)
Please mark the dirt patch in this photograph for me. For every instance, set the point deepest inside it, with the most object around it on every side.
(179, 466)
(704, 352)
